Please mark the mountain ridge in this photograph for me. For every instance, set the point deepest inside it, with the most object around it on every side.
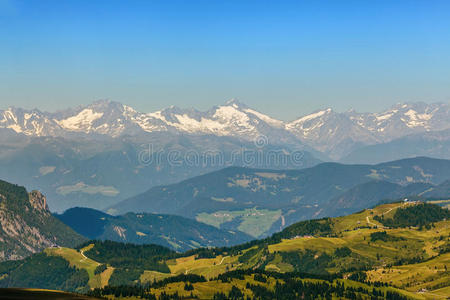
(144, 228)
(238, 197)
(333, 133)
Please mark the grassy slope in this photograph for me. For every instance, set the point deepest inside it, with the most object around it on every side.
(79, 260)
(350, 231)
(429, 275)
(358, 240)
(208, 267)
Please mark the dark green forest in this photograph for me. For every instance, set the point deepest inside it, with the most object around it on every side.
(418, 215)
(44, 272)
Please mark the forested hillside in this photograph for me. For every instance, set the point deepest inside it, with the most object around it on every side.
(360, 255)
(175, 232)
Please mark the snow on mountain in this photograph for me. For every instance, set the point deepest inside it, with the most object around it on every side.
(339, 133)
(325, 130)
(265, 118)
(28, 122)
(81, 122)
(309, 117)
(307, 124)
(231, 119)
(115, 119)
(330, 132)
(404, 119)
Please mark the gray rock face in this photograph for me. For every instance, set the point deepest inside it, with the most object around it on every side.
(27, 226)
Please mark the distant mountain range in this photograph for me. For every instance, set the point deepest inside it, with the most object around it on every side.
(99, 154)
(27, 226)
(369, 194)
(100, 172)
(433, 144)
(174, 232)
(260, 201)
(335, 134)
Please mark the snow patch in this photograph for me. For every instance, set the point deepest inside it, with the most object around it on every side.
(189, 124)
(265, 118)
(309, 117)
(385, 117)
(230, 113)
(9, 114)
(416, 119)
(16, 128)
(82, 121)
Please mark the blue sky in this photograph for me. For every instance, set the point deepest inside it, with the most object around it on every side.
(284, 58)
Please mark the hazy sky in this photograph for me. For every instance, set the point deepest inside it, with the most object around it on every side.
(284, 58)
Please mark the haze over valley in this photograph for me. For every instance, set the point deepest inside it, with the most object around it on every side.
(60, 154)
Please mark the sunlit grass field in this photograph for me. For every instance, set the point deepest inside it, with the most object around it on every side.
(80, 261)
(425, 280)
(427, 276)
(207, 267)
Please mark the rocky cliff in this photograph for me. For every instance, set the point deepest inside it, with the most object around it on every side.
(27, 226)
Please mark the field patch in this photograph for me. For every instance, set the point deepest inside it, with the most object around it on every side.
(430, 278)
(81, 187)
(78, 260)
(252, 221)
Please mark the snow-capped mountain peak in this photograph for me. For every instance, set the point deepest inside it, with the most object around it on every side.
(309, 117)
(235, 103)
(115, 119)
(326, 130)
(337, 133)
(83, 121)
